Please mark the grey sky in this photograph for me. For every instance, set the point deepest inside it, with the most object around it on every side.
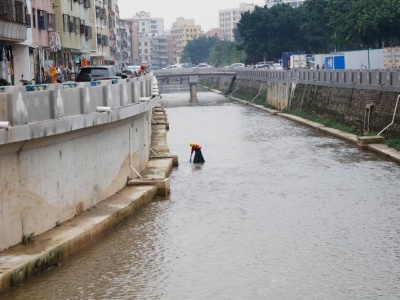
(205, 12)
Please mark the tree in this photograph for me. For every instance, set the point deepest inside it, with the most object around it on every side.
(314, 28)
(198, 50)
(267, 32)
(225, 53)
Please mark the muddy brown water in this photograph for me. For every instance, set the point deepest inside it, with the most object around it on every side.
(278, 211)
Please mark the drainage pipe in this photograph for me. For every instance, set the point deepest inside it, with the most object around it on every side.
(259, 92)
(130, 154)
(154, 152)
(236, 88)
(394, 115)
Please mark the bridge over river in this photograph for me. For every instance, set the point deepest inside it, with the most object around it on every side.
(277, 211)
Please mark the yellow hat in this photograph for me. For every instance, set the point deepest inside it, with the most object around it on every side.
(191, 144)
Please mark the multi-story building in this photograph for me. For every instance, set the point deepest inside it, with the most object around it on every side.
(124, 44)
(144, 30)
(14, 54)
(183, 30)
(215, 32)
(228, 19)
(74, 30)
(145, 49)
(171, 50)
(99, 17)
(159, 52)
(133, 27)
(147, 24)
(293, 3)
(157, 26)
(45, 40)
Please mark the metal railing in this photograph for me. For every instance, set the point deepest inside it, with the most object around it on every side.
(382, 78)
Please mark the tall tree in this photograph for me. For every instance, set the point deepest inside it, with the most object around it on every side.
(198, 50)
(314, 26)
(225, 53)
(267, 32)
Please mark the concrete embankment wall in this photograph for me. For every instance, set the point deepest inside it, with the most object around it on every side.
(60, 156)
(368, 103)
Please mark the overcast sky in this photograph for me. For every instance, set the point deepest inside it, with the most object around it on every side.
(205, 12)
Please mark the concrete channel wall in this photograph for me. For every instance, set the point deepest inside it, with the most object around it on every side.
(367, 100)
(66, 148)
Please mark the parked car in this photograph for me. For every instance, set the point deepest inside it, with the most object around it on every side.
(131, 71)
(91, 73)
(203, 65)
(236, 65)
(173, 67)
(263, 65)
(276, 66)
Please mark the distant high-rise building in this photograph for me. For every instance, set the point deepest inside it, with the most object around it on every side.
(293, 3)
(183, 30)
(147, 24)
(215, 32)
(228, 18)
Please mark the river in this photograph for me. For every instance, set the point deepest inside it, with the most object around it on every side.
(277, 211)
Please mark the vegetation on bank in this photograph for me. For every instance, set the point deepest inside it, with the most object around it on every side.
(392, 142)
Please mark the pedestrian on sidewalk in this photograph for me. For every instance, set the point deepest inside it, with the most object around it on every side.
(198, 156)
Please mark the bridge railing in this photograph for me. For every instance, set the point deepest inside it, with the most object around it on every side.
(194, 71)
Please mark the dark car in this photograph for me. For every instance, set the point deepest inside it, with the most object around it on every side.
(91, 73)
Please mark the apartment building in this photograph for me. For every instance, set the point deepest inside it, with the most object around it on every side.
(145, 49)
(73, 30)
(171, 50)
(182, 31)
(159, 52)
(293, 3)
(151, 46)
(45, 40)
(124, 44)
(37, 34)
(133, 27)
(215, 32)
(14, 56)
(228, 19)
(148, 25)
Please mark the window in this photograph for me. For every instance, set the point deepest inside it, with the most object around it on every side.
(42, 19)
(88, 32)
(82, 29)
(34, 18)
(65, 22)
(28, 21)
(50, 22)
(77, 25)
(71, 24)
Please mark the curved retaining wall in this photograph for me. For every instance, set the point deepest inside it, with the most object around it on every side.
(60, 156)
(365, 100)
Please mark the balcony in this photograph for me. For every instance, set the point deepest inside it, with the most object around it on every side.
(13, 11)
(13, 17)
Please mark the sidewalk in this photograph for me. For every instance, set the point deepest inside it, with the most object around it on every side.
(21, 262)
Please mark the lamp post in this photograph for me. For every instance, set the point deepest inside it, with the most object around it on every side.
(368, 60)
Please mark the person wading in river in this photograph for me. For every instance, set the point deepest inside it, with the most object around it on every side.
(198, 156)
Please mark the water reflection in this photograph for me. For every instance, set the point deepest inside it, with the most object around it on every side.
(278, 211)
